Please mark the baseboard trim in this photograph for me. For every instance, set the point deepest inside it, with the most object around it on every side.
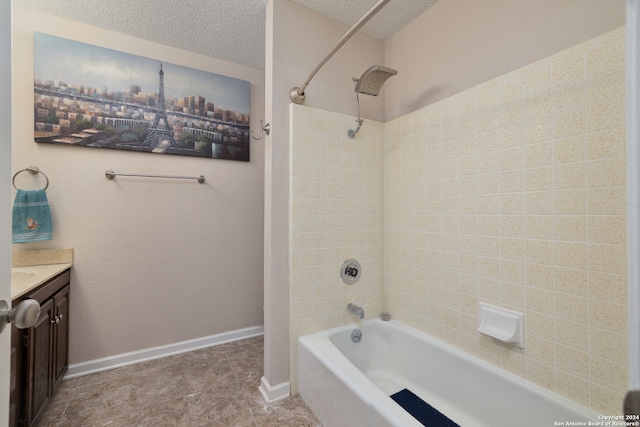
(124, 359)
(272, 394)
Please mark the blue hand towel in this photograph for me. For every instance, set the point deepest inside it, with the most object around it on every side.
(31, 217)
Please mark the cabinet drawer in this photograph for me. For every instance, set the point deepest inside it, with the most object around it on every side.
(47, 290)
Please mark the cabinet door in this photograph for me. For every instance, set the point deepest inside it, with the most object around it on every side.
(60, 335)
(39, 362)
(16, 386)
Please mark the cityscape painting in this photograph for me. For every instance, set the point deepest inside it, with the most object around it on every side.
(90, 96)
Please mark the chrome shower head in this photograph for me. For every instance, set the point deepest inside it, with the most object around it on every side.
(373, 78)
(370, 83)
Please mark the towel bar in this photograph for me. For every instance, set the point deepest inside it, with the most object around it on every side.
(33, 170)
(111, 175)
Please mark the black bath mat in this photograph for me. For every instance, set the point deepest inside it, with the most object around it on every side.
(421, 410)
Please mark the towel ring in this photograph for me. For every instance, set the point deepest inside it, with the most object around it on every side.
(33, 170)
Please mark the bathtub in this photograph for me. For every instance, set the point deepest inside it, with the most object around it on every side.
(349, 384)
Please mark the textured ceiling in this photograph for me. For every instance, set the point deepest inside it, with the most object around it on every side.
(233, 30)
(395, 15)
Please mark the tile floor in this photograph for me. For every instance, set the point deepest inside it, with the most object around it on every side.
(216, 387)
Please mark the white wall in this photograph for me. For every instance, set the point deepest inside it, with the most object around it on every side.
(156, 261)
(458, 44)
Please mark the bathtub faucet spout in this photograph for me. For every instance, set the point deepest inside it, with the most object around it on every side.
(355, 309)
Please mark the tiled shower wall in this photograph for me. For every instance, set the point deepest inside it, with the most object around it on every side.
(513, 193)
(336, 213)
(510, 193)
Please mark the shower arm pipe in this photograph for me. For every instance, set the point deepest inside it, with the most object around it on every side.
(297, 93)
(352, 132)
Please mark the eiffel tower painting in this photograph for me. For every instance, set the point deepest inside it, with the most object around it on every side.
(160, 130)
(198, 113)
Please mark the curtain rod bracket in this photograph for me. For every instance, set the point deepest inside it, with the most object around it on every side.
(296, 96)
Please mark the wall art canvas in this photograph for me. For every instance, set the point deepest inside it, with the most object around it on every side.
(90, 96)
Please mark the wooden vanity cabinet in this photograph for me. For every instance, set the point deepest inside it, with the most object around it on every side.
(40, 353)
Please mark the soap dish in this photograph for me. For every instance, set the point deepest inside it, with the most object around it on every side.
(502, 324)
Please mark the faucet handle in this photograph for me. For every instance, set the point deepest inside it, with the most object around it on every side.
(350, 271)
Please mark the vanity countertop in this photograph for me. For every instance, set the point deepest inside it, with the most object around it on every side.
(32, 268)
(24, 279)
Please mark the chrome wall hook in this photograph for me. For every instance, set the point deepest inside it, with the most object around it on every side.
(264, 129)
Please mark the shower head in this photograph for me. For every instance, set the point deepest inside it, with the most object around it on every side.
(370, 83)
(372, 80)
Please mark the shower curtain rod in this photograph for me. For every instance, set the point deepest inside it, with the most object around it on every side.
(297, 93)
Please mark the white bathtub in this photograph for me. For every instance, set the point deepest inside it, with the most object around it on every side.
(349, 384)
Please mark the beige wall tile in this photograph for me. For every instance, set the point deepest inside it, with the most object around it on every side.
(541, 374)
(607, 143)
(572, 361)
(568, 68)
(542, 203)
(603, 87)
(603, 399)
(608, 229)
(572, 202)
(539, 275)
(570, 281)
(569, 150)
(605, 58)
(575, 388)
(539, 252)
(538, 129)
(568, 97)
(571, 175)
(607, 201)
(572, 307)
(539, 227)
(608, 287)
(606, 172)
(608, 258)
(570, 228)
(572, 122)
(605, 115)
(570, 254)
(608, 345)
(541, 350)
(540, 325)
(538, 179)
(572, 334)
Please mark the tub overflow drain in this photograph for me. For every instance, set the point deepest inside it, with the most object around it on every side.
(356, 335)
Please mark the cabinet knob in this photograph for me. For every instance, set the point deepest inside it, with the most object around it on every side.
(24, 315)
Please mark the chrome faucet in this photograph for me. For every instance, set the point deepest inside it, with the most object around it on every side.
(355, 309)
